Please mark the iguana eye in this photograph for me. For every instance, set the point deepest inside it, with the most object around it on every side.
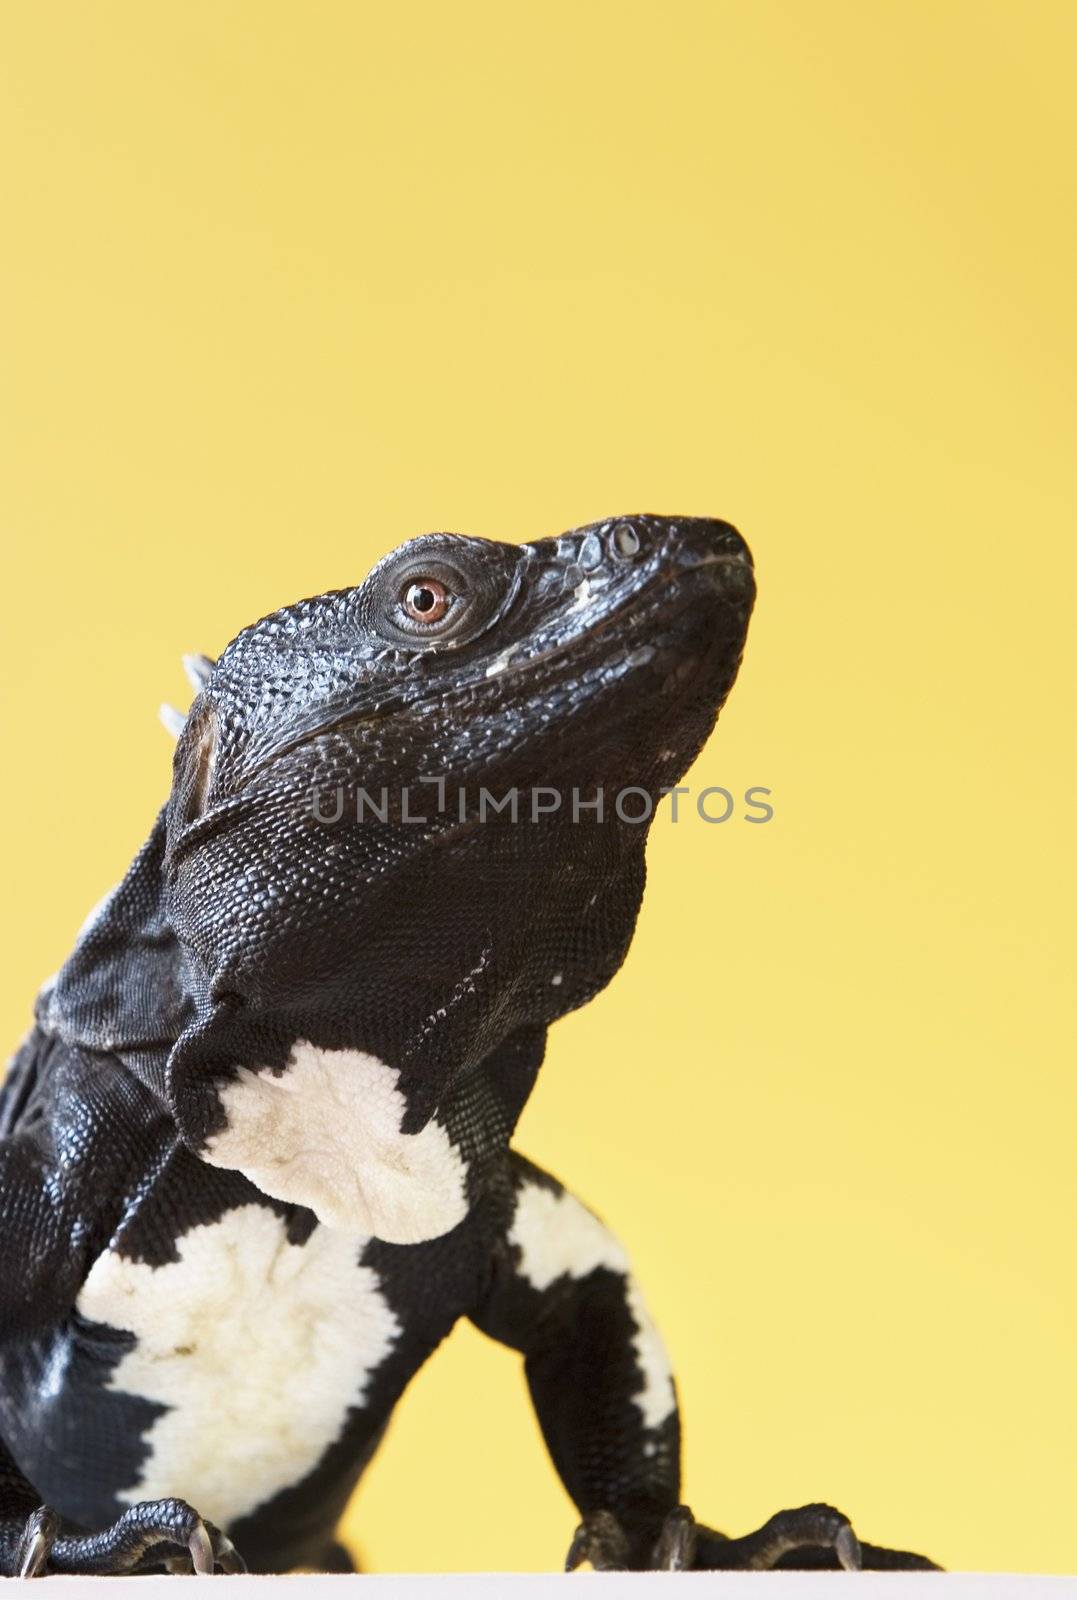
(439, 591)
(425, 600)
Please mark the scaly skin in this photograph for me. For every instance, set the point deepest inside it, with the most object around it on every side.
(255, 1155)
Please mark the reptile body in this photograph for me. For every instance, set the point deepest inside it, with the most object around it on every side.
(255, 1155)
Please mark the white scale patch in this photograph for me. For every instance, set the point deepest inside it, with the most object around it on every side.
(555, 1235)
(325, 1133)
(257, 1346)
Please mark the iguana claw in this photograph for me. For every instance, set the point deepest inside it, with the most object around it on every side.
(847, 1549)
(36, 1543)
(676, 1547)
(201, 1547)
(602, 1541)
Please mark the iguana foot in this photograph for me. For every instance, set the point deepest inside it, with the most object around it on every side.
(154, 1533)
(811, 1536)
(601, 1540)
(815, 1527)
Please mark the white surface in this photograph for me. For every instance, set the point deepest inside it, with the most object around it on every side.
(597, 1586)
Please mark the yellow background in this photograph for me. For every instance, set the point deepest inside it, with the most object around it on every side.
(282, 284)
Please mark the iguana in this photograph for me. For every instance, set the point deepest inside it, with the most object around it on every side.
(255, 1154)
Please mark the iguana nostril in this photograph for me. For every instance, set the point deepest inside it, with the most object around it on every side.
(625, 541)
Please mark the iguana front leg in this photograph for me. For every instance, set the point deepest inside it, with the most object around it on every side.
(60, 1190)
(598, 1374)
(561, 1292)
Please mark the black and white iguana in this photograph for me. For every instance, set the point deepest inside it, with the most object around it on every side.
(255, 1154)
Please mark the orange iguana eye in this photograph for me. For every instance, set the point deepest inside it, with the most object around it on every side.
(425, 600)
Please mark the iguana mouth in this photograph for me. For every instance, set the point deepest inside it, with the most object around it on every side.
(662, 579)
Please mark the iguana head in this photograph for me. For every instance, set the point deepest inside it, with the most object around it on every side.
(370, 991)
